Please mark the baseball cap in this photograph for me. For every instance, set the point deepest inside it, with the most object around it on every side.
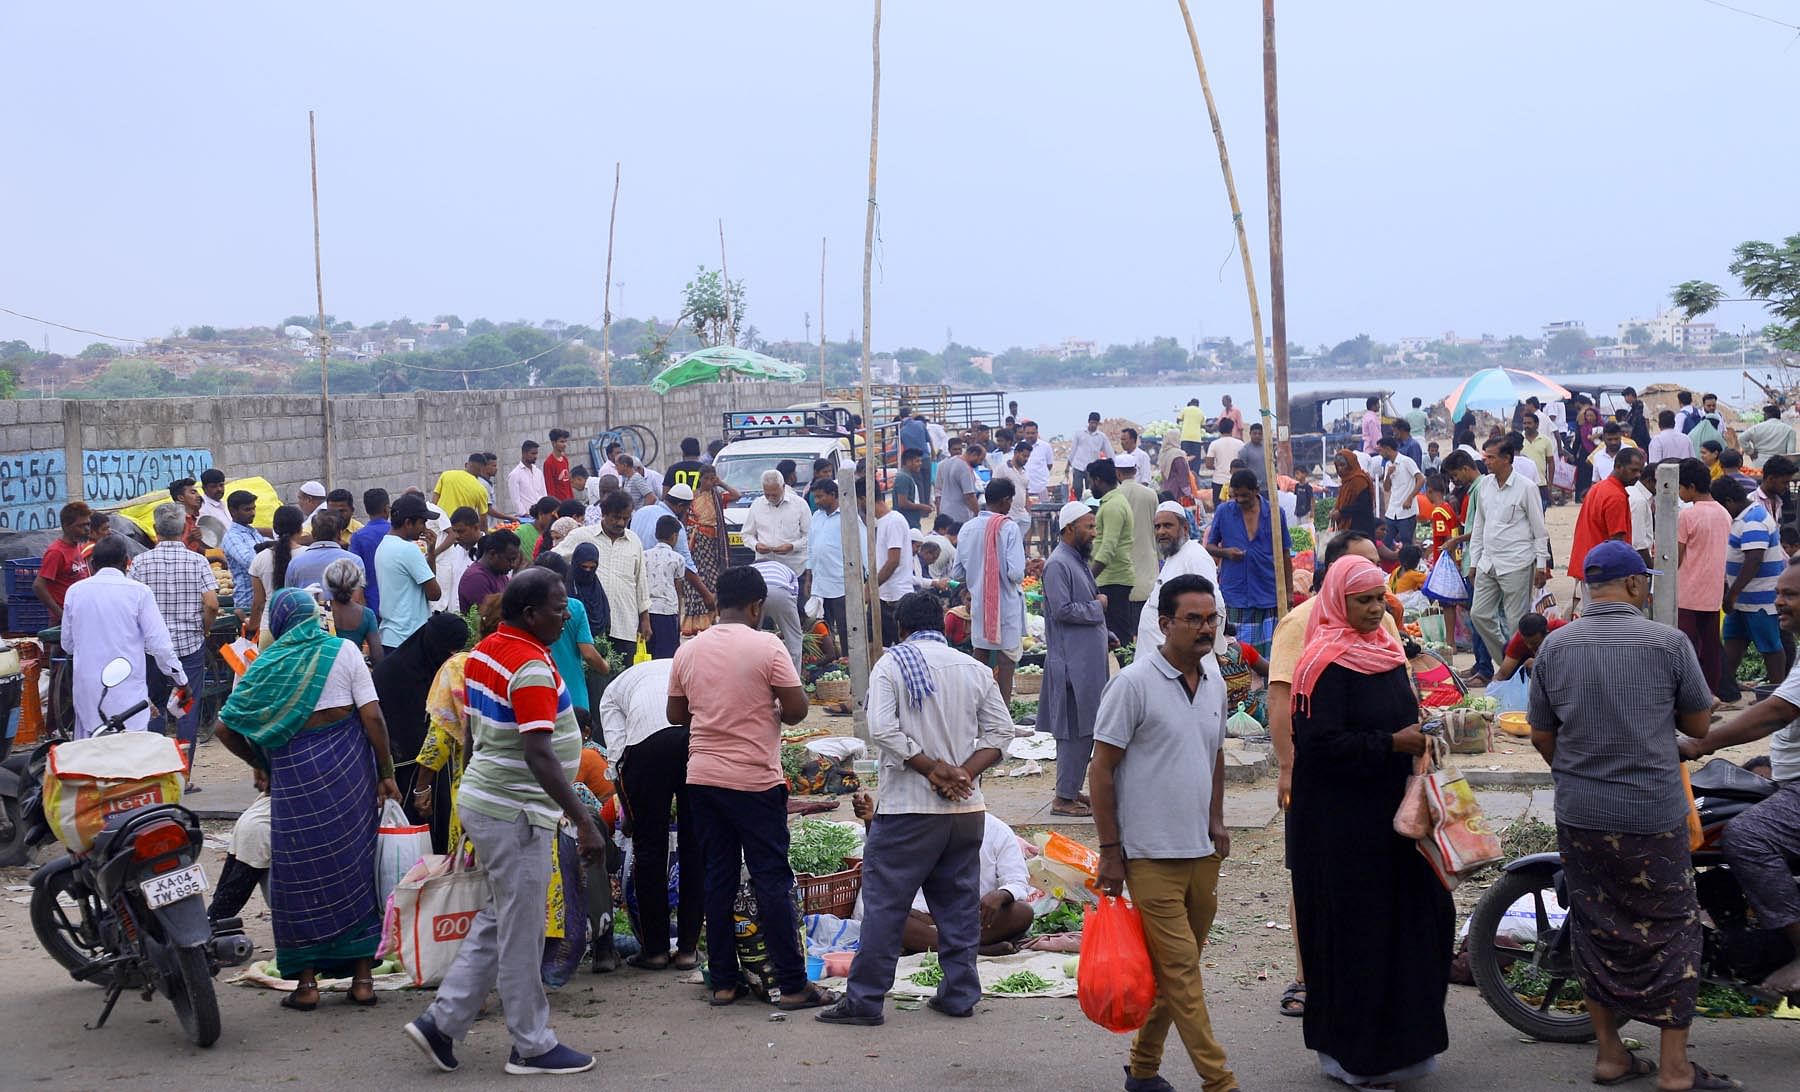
(1613, 560)
(681, 491)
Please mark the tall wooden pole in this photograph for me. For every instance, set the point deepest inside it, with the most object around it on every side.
(1256, 326)
(871, 446)
(324, 334)
(725, 276)
(1279, 441)
(606, 307)
(821, 319)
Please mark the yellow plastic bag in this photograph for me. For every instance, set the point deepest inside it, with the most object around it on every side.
(643, 653)
(89, 780)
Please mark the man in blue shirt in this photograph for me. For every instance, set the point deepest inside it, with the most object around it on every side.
(308, 566)
(364, 542)
(913, 433)
(1240, 540)
(1406, 442)
(824, 576)
(240, 548)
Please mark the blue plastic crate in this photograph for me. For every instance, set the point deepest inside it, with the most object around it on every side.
(21, 573)
(24, 614)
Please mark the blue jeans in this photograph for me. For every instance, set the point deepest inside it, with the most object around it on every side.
(161, 686)
(1484, 663)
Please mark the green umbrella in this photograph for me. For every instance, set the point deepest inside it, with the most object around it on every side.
(709, 365)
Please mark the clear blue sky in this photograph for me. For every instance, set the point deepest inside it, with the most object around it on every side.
(1046, 169)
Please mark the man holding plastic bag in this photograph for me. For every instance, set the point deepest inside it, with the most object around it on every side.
(1158, 784)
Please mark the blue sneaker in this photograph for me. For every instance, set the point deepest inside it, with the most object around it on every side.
(437, 1046)
(558, 1059)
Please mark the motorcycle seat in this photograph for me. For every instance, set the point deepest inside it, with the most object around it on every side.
(1724, 778)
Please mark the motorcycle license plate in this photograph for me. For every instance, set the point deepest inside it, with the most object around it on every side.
(173, 886)
(735, 538)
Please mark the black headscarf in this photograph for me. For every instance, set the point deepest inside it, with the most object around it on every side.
(403, 680)
(584, 587)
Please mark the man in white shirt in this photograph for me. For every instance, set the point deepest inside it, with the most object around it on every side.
(456, 558)
(1401, 480)
(1014, 470)
(782, 607)
(1507, 547)
(1037, 467)
(1612, 441)
(937, 721)
(1132, 453)
(526, 481)
(622, 574)
(1089, 444)
(1176, 555)
(893, 552)
(1669, 442)
(109, 615)
(940, 439)
(778, 523)
(1221, 451)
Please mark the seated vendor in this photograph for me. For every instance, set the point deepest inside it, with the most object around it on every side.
(1005, 915)
(1522, 649)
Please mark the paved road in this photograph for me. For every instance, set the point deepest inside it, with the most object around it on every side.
(651, 1030)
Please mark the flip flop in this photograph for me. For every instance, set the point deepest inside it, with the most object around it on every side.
(1293, 999)
(815, 997)
(1711, 1082)
(1072, 811)
(738, 993)
(292, 1001)
(1640, 1067)
(692, 962)
(643, 962)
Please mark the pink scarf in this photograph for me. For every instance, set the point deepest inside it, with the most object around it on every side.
(1331, 639)
(990, 579)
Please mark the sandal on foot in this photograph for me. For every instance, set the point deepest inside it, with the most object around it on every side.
(1072, 811)
(718, 1000)
(685, 963)
(292, 1000)
(1639, 1067)
(814, 996)
(366, 1002)
(645, 962)
(1293, 999)
(1711, 1082)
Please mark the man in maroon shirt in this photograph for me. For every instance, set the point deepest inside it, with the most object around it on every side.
(65, 561)
(556, 467)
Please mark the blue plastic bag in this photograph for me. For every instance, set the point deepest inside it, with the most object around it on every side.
(1513, 694)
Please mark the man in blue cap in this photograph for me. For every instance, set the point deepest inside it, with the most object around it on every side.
(1609, 692)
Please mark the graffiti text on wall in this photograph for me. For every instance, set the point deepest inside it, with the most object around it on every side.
(31, 490)
(113, 476)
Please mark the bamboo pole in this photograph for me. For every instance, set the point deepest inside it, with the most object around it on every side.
(324, 335)
(606, 307)
(821, 318)
(1256, 328)
(725, 276)
(1280, 441)
(870, 446)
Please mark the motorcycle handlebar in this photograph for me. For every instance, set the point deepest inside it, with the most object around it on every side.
(116, 722)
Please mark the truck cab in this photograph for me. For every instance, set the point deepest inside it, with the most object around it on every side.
(758, 439)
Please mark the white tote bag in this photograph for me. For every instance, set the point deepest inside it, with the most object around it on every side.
(399, 844)
(434, 908)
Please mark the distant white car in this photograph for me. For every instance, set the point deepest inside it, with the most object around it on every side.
(741, 464)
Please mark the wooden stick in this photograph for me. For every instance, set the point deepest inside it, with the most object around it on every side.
(870, 445)
(1277, 541)
(1279, 440)
(821, 318)
(725, 276)
(324, 335)
(606, 307)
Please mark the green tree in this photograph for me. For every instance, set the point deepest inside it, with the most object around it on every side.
(572, 375)
(713, 312)
(1637, 335)
(99, 350)
(1770, 273)
(480, 326)
(203, 333)
(453, 321)
(129, 378)
(1567, 346)
(1357, 352)
(10, 350)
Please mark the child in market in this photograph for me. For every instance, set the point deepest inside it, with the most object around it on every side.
(596, 792)
(1241, 666)
(663, 567)
(1439, 514)
(1407, 576)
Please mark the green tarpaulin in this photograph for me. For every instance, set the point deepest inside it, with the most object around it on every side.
(710, 365)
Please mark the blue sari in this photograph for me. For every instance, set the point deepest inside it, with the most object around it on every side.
(322, 873)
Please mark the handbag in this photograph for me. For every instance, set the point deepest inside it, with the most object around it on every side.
(1445, 583)
(1460, 834)
(433, 908)
(1413, 818)
(1563, 477)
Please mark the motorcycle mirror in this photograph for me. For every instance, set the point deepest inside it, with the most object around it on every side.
(115, 672)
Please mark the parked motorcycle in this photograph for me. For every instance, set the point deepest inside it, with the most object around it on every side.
(1524, 964)
(129, 913)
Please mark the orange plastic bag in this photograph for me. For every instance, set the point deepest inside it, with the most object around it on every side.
(1115, 982)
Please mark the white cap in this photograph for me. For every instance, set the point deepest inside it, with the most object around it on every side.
(681, 492)
(1071, 512)
(313, 489)
(917, 535)
(1171, 506)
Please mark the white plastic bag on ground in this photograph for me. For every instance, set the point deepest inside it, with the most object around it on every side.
(1036, 745)
(839, 748)
(1519, 924)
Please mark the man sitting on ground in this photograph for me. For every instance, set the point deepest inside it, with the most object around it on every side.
(1522, 649)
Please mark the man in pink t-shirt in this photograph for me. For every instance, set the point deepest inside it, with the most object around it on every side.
(1701, 531)
(733, 686)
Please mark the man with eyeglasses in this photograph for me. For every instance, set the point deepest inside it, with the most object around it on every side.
(1158, 783)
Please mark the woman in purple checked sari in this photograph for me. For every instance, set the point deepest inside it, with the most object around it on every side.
(306, 712)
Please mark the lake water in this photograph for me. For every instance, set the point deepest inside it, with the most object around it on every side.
(1060, 411)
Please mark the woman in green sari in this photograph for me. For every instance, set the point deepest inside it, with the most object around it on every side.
(306, 713)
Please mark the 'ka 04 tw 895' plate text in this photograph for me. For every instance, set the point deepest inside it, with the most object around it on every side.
(173, 886)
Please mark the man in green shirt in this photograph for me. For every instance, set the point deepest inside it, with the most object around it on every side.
(1769, 436)
(1418, 418)
(1112, 559)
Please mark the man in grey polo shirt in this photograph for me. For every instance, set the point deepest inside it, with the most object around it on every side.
(1158, 785)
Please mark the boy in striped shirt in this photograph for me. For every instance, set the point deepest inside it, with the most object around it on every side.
(1753, 562)
(517, 787)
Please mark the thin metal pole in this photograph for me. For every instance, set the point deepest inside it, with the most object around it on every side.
(1280, 441)
(324, 335)
(870, 446)
(606, 306)
(1278, 541)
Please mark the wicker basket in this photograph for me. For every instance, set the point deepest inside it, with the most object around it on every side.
(1027, 686)
(834, 894)
(831, 690)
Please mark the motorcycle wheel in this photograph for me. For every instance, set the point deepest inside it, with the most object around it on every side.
(1551, 970)
(14, 851)
(190, 990)
(64, 918)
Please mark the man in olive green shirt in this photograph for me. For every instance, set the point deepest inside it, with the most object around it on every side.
(1114, 570)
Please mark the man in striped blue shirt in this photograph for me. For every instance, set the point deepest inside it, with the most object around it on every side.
(1753, 562)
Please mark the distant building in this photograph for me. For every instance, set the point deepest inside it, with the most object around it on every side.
(405, 344)
(982, 363)
(1414, 344)
(1575, 326)
(1621, 351)
(1070, 348)
(1675, 329)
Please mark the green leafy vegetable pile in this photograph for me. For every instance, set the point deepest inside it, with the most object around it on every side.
(929, 973)
(1064, 919)
(1023, 982)
(817, 847)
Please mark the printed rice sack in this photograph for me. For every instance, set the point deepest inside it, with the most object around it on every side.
(88, 781)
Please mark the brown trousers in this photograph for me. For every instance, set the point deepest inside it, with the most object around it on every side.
(1178, 899)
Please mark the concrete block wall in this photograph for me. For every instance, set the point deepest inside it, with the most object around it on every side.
(392, 441)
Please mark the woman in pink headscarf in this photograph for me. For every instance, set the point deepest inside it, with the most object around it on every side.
(1374, 924)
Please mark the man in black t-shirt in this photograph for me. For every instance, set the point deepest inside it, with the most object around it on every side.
(687, 471)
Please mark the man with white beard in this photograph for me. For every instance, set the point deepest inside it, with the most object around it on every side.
(1176, 555)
